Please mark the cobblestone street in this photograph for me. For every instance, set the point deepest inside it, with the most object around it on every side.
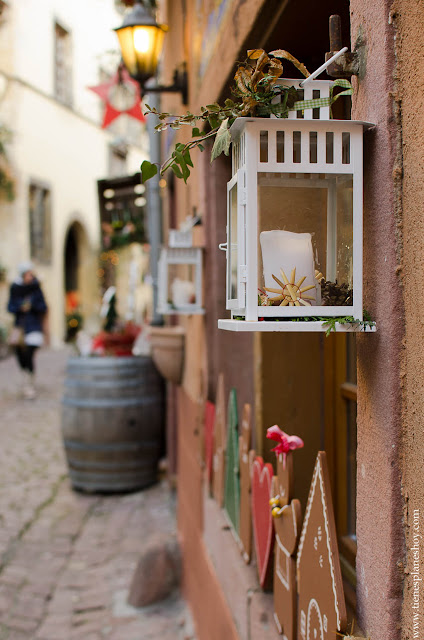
(67, 559)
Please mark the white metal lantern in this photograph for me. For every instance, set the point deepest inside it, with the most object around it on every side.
(180, 279)
(294, 221)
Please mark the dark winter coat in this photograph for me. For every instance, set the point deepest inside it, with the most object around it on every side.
(20, 293)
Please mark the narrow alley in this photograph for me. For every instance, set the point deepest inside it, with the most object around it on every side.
(67, 559)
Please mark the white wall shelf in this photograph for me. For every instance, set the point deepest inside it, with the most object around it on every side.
(284, 325)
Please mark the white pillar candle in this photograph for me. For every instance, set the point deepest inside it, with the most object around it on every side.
(183, 293)
(287, 251)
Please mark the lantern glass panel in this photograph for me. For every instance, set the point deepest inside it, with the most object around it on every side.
(181, 285)
(305, 227)
(232, 273)
(180, 280)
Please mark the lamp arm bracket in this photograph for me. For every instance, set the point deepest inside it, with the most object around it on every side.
(180, 85)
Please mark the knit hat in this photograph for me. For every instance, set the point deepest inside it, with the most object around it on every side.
(24, 267)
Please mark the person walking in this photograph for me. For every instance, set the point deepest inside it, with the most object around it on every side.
(27, 303)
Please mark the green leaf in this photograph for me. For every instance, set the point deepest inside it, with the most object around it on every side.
(148, 170)
(367, 316)
(187, 158)
(213, 107)
(184, 168)
(196, 132)
(222, 141)
(175, 168)
(201, 147)
(214, 121)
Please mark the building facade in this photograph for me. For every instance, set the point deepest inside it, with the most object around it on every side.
(50, 53)
(358, 397)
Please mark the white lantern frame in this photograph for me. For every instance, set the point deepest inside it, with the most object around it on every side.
(284, 155)
(170, 256)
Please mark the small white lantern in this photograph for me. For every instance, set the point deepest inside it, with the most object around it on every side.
(180, 278)
(294, 221)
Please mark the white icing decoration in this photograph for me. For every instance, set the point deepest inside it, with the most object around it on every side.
(294, 521)
(282, 550)
(277, 622)
(318, 474)
(313, 604)
(302, 623)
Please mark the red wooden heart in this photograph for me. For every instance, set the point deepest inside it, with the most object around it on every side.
(263, 526)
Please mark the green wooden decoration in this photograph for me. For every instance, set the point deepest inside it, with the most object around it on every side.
(232, 474)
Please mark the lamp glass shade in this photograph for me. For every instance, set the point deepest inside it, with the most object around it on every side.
(141, 46)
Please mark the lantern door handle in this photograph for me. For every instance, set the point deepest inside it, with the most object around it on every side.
(223, 246)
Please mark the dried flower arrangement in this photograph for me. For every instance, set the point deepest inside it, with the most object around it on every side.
(255, 88)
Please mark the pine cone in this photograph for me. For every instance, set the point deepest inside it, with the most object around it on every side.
(335, 295)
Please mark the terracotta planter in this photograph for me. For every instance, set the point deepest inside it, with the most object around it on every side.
(168, 351)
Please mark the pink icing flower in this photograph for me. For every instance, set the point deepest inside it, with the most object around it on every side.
(286, 443)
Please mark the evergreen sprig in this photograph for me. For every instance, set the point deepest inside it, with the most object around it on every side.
(330, 324)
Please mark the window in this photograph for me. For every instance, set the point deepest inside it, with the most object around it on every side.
(40, 223)
(117, 160)
(62, 65)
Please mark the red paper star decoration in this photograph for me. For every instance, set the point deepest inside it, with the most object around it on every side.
(120, 95)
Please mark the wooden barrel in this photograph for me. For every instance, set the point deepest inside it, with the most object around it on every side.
(113, 423)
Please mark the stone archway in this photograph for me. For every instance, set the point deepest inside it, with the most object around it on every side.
(79, 277)
(71, 259)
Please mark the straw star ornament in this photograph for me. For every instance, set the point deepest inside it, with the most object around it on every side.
(291, 292)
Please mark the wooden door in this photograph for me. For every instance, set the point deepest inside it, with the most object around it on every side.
(340, 403)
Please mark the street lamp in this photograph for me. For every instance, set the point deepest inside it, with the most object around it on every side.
(141, 40)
